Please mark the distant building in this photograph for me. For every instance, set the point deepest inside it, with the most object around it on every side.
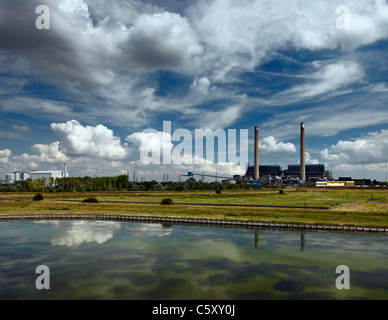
(314, 172)
(16, 176)
(46, 174)
(268, 173)
(265, 171)
(334, 184)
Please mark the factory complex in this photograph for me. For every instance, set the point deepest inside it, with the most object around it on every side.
(24, 176)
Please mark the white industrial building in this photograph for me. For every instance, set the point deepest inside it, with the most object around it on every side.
(23, 176)
(46, 174)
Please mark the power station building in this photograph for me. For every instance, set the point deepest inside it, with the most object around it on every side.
(294, 173)
(265, 170)
(313, 172)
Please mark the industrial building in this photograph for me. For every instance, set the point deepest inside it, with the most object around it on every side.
(46, 174)
(23, 176)
(298, 173)
(335, 184)
(16, 176)
(313, 172)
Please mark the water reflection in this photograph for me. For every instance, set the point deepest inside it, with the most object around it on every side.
(79, 232)
(128, 260)
(149, 229)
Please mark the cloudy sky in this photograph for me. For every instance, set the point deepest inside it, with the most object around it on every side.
(84, 90)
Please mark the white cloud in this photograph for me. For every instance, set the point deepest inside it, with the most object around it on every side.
(154, 144)
(239, 36)
(270, 145)
(216, 119)
(44, 154)
(328, 78)
(201, 85)
(4, 155)
(370, 149)
(309, 160)
(162, 40)
(152, 141)
(90, 141)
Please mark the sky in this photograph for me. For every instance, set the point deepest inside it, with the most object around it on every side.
(89, 83)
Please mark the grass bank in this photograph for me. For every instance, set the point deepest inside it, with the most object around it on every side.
(368, 215)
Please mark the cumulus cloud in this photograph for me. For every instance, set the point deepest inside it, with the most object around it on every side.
(157, 148)
(310, 160)
(370, 149)
(43, 153)
(89, 53)
(4, 155)
(151, 141)
(270, 145)
(90, 141)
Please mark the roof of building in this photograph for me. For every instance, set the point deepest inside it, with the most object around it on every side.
(40, 172)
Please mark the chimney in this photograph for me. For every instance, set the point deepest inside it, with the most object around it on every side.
(256, 173)
(64, 170)
(302, 154)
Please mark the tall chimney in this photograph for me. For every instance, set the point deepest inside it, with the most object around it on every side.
(64, 170)
(256, 174)
(302, 154)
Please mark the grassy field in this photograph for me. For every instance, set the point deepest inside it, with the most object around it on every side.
(369, 214)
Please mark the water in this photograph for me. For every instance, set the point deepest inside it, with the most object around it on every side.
(127, 260)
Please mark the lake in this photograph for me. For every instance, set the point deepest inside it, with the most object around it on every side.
(154, 261)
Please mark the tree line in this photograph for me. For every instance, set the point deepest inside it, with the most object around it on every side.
(118, 183)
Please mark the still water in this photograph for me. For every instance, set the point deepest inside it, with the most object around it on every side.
(128, 260)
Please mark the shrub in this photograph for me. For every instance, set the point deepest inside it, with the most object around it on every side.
(167, 201)
(91, 200)
(281, 192)
(218, 191)
(37, 197)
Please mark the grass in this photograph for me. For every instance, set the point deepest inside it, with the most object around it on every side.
(373, 215)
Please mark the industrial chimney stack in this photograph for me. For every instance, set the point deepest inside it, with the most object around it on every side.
(256, 174)
(302, 155)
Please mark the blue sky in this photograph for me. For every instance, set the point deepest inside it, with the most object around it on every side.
(82, 91)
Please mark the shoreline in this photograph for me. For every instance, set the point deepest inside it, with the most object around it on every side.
(195, 221)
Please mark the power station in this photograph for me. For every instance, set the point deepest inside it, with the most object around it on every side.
(296, 173)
